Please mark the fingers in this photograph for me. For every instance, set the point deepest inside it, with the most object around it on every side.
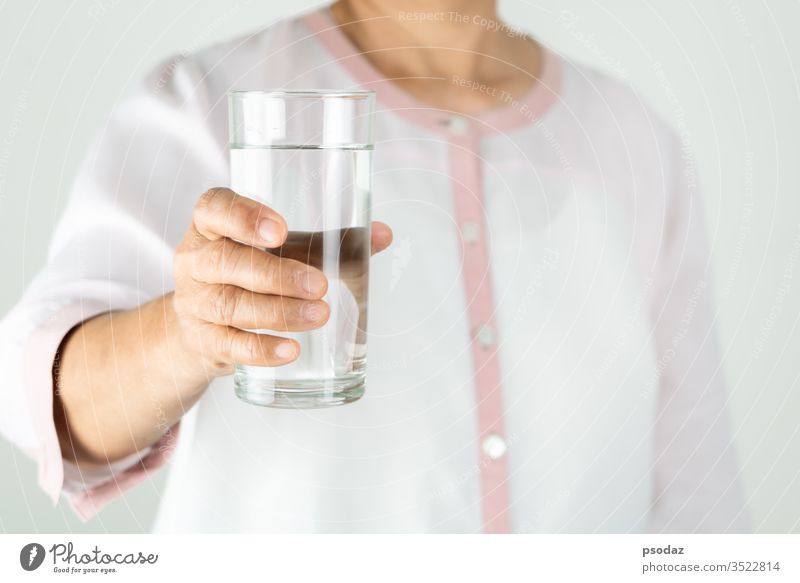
(224, 344)
(381, 236)
(226, 281)
(227, 262)
(220, 212)
(233, 306)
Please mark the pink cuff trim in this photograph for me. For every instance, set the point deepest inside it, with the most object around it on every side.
(37, 370)
(89, 502)
(467, 184)
(38, 362)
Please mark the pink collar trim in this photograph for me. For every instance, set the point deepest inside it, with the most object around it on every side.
(527, 110)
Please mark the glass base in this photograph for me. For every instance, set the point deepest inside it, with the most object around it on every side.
(298, 394)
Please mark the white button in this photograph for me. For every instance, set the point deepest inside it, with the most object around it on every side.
(485, 336)
(458, 125)
(494, 446)
(471, 232)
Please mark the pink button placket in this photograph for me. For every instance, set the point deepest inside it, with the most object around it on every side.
(467, 185)
(463, 136)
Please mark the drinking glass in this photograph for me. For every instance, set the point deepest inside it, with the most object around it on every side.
(308, 156)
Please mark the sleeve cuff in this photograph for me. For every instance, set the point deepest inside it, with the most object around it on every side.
(87, 491)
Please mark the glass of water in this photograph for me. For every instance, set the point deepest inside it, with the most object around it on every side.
(308, 156)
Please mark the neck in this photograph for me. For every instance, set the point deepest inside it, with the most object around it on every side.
(424, 38)
(429, 44)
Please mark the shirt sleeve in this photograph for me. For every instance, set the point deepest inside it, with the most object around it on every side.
(697, 482)
(112, 250)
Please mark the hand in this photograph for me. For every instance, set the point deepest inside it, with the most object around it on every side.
(225, 281)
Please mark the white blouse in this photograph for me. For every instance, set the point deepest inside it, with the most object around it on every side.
(541, 355)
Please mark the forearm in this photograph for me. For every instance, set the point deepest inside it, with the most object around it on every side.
(124, 378)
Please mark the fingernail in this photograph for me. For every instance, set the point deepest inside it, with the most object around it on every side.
(313, 282)
(269, 231)
(313, 312)
(284, 350)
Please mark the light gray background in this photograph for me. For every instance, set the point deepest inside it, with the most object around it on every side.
(723, 70)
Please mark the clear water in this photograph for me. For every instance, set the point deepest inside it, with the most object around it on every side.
(324, 195)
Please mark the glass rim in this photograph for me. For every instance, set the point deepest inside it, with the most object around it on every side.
(304, 93)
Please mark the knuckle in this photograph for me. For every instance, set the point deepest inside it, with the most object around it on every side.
(194, 242)
(222, 257)
(268, 274)
(246, 347)
(209, 197)
(275, 313)
(225, 349)
(251, 348)
(223, 304)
